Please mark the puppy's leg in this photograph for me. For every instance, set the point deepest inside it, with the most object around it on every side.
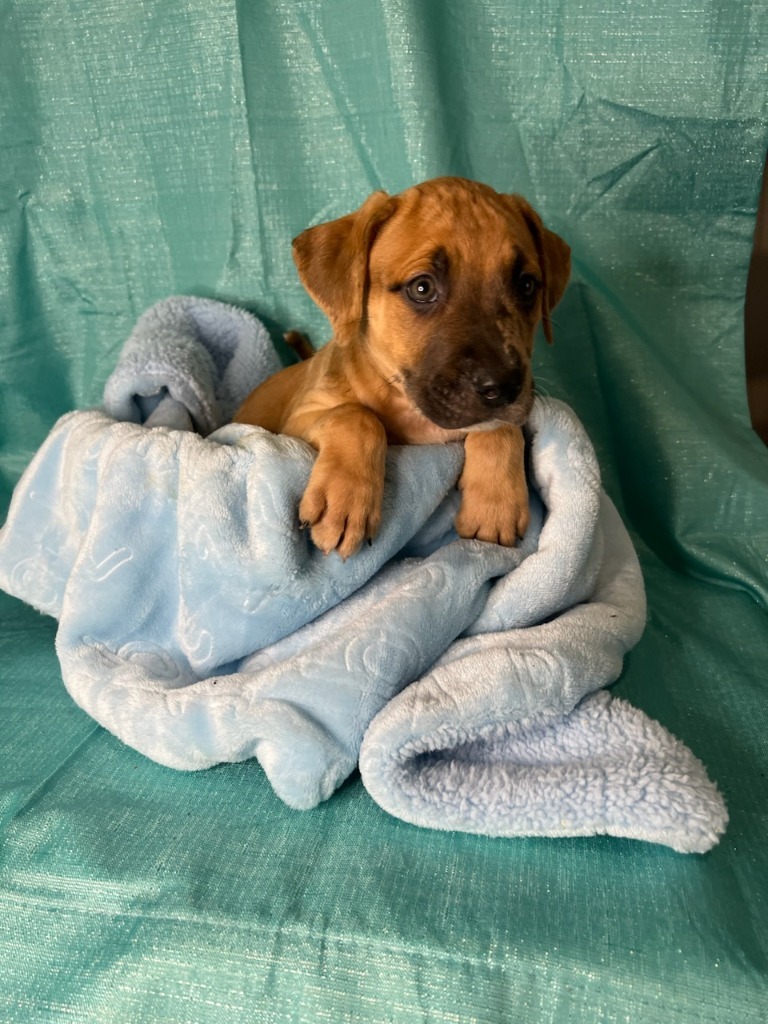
(342, 502)
(494, 493)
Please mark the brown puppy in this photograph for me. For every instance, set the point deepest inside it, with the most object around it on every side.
(434, 296)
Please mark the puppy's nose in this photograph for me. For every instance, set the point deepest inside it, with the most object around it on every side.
(495, 390)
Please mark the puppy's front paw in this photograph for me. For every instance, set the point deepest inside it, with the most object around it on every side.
(342, 508)
(495, 510)
(494, 493)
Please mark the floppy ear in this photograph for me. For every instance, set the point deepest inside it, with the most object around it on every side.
(554, 259)
(332, 261)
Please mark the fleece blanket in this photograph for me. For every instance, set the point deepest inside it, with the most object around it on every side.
(199, 624)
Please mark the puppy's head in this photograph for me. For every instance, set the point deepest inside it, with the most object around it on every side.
(444, 284)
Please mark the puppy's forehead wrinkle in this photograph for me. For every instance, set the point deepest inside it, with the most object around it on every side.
(440, 261)
(451, 234)
(472, 259)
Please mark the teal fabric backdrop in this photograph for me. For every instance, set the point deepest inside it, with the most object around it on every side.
(149, 148)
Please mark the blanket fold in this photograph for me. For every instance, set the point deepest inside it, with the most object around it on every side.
(189, 364)
(198, 623)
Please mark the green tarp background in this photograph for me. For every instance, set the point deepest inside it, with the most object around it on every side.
(149, 148)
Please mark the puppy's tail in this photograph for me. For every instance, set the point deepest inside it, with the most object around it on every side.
(300, 344)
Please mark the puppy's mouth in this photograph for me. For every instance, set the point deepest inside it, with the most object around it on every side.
(471, 399)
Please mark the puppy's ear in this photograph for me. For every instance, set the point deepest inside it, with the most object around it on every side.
(332, 261)
(554, 259)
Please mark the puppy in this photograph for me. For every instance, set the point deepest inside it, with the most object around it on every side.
(434, 296)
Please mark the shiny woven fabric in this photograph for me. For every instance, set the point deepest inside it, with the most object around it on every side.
(150, 149)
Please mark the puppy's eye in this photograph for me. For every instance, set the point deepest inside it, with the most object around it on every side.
(422, 289)
(527, 286)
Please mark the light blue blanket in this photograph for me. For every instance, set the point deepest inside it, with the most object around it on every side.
(198, 623)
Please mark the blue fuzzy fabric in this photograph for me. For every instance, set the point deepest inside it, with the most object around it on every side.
(189, 364)
(199, 624)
